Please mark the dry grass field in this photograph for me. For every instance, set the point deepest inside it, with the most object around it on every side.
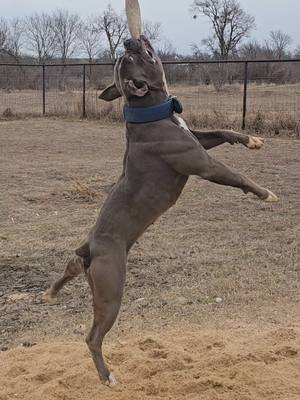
(271, 108)
(211, 309)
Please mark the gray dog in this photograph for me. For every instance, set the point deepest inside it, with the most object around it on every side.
(160, 156)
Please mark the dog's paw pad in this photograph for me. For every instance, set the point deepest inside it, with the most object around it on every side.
(272, 198)
(255, 143)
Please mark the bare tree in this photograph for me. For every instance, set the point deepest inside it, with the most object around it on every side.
(4, 36)
(198, 52)
(229, 22)
(39, 36)
(279, 43)
(89, 38)
(65, 27)
(16, 37)
(11, 37)
(167, 51)
(153, 31)
(114, 26)
(252, 50)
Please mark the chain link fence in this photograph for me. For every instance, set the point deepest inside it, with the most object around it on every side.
(247, 94)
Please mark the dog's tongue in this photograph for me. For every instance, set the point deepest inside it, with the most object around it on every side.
(134, 18)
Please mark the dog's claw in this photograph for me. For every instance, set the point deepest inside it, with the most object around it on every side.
(255, 143)
(111, 382)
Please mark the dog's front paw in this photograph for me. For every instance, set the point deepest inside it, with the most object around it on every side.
(271, 198)
(255, 143)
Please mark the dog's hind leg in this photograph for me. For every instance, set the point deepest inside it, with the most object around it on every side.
(74, 268)
(106, 277)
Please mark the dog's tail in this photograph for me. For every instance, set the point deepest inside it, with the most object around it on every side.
(84, 253)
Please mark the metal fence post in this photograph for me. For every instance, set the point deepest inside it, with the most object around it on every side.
(84, 93)
(44, 89)
(245, 95)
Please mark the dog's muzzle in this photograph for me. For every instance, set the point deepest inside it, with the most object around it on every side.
(133, 45)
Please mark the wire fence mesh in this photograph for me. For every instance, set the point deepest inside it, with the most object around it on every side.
(228, 93)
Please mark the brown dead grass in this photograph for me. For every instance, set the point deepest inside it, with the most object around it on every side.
(82, 192)
(272, 109)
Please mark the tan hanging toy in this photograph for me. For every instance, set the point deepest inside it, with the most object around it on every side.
(134, 18)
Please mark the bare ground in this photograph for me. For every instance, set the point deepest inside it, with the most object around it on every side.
(215, 243)
(199, 364)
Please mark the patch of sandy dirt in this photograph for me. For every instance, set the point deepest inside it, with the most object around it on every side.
(238, 364)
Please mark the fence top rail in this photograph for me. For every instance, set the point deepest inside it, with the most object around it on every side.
(173, 62)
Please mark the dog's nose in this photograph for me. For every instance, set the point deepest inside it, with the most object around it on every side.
(132, 44)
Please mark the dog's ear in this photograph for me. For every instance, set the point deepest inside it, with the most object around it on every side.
(110, 93)
(139, 89)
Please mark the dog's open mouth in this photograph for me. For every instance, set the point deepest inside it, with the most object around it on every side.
(139, 84)
(140, 46)
(136, 45)
(138, 42)
(133, 45)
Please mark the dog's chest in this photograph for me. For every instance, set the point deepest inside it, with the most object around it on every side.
(181, 123)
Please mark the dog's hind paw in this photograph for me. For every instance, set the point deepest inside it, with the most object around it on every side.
(111, 382)
(255, 143)
(49, 296)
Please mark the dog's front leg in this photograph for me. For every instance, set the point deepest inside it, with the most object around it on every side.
(188, 157)
(211, 139)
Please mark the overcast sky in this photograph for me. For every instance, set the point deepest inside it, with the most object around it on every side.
(178, 26)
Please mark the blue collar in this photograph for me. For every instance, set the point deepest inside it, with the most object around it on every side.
(136, 115)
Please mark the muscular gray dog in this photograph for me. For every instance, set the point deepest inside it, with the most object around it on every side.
(159, 158)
